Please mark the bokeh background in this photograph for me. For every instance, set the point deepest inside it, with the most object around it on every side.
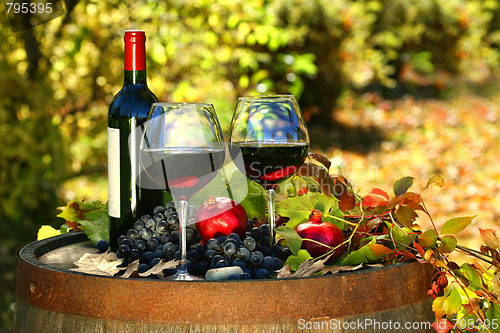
(389, 88)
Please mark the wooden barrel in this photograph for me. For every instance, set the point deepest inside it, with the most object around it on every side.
(51, 298)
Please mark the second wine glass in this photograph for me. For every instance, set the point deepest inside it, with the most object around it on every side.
(182, 150)
(271, 135)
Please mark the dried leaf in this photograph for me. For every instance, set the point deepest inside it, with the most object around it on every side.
(321, 159)
(307, 268)
(495, 285)
(284, 272)
(410, 199)
(320, 174)
(336, 269)
(157, 269)
(406, 215)
(343, 191)
(436, 180)
(131, 269)
(105, 264)
(489, 238)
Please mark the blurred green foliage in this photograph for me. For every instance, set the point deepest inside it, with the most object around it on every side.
(58, 79)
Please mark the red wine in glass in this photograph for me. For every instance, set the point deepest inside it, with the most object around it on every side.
(271, 134)
(184, 171)
(270, 163)
(182, 150)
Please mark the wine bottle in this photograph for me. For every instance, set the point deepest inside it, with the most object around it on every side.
(127, 112)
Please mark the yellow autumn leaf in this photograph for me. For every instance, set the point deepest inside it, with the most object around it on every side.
(47, 231)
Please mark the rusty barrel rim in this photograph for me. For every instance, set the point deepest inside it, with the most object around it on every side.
(211, 302)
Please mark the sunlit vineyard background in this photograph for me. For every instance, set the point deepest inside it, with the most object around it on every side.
(390, 88)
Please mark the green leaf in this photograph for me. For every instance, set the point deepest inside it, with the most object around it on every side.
(493, 316)
(299, 208)
(448, 244)
(295, 261)
(474, 277)
(457, 224)
(453, 302)
(292, 237)
(448, 304)
(400, 237)
(437, 306)
(357, 257)
(422, 61)
(402, 185)
(96, 222)
(367, 254)
(428, 239)
(255, 202)
(92, 216)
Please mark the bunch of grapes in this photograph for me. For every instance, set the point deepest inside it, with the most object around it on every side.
(253, 254)
(155, 238)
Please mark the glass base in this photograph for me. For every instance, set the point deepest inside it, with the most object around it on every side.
(183, 277)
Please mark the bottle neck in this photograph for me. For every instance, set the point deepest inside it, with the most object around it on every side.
(134, 77)
(135, 59)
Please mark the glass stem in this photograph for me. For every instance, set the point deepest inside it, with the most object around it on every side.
(182, 267)
(272, 220)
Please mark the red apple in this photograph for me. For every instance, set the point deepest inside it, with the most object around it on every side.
(323, 232)
(221, 216)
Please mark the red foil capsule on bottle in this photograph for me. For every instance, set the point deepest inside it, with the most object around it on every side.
(135, 50)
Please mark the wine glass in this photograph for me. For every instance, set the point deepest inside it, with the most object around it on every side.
(182, 150)
(271, 135)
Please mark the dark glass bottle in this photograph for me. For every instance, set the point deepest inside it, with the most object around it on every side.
(127, 112)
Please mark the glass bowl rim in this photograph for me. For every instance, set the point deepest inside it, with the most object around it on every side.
(273, 97)
(162, 104)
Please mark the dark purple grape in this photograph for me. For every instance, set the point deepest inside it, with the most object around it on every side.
(102, 245)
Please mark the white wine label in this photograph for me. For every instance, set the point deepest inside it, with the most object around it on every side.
(114, 172)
